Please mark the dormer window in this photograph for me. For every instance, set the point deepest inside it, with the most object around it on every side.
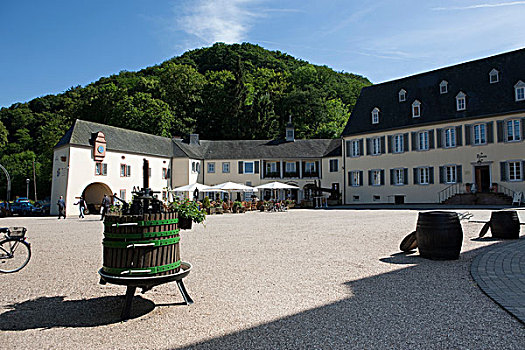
(402, 95)
(494, 76)
(416, 109)
(519, 89)
(461, 101)
(375, 116)
(443, 87)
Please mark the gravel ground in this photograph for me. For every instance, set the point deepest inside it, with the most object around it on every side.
(316, 279)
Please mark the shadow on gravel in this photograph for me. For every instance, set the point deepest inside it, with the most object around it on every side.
(50, 312)
(431, 305)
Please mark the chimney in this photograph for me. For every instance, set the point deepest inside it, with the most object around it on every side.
(194, 139)
(290, 131)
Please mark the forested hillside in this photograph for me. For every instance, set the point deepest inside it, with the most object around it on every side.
(239, 91)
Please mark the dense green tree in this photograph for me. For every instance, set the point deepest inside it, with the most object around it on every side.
(239, 91)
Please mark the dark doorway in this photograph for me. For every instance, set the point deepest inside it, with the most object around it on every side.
(482, 178)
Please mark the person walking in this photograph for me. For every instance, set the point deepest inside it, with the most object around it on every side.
(105, 206)
(61, 207)
(81, 207)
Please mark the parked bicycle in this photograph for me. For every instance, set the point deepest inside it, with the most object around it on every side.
(15, 251)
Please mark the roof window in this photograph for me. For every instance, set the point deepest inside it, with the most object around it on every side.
(494, 76)
(416, 109)
(443, 87)
(519, 90)
(402, 95)
(375, 116)
(461, 101)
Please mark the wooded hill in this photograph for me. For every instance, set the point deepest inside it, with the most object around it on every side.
(239, 91)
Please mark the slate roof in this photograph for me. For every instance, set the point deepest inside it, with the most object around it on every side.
(118, 139)
(125, 140)
(472, 78)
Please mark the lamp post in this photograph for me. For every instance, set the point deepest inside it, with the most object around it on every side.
(27, 188)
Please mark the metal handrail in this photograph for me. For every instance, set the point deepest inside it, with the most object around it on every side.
(506, 191)
(449, 191)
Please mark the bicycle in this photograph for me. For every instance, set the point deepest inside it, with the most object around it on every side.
(15, 252)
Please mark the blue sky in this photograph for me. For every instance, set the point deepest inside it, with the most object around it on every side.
(48, 46)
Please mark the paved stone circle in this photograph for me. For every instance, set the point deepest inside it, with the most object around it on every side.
(500, 273)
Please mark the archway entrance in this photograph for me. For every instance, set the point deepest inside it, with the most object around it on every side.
(93, 195)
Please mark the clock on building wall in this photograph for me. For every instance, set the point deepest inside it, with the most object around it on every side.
(99, 146)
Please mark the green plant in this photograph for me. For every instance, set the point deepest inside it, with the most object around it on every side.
(189, 209)
(206, 202)
(237, 204)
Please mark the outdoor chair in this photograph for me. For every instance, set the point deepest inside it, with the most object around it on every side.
(517, 198)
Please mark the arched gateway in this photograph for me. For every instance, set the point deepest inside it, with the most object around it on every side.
(93, 195)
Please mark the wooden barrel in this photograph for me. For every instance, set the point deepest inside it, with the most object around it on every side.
(505, 224)
(439, 235)
(150, 247)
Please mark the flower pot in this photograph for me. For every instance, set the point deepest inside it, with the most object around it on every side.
(185, 223)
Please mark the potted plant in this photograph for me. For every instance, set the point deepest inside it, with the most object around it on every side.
(188, 213)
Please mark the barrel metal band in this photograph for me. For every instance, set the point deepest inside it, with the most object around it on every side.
(126, 244)
(141, 271)
(142, 235)
(158, 222)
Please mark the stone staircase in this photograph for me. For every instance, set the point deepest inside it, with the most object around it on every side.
(480, 198)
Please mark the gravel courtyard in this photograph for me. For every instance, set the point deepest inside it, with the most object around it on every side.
(315, 279)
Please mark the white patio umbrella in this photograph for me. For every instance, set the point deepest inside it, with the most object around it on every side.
(276, 185)
(232, 187)
(191, 188)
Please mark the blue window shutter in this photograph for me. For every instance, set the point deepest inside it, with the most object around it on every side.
(414, 141)
(391, 176)
(459, 136)
(382, 177)
(368, 147)
(405, 176)
(389, 144)
(490, 132)
(257, 167)
(361, 148)
(439, 137)
(416, 177)
(441, 175)
(459, 174)
(503, 171)
(360, 178)
(405, 142)
(369, 177)
(241, 167)
(383, 150)
(431, 175)
(468, 133)
(431, 139)
(499, 125)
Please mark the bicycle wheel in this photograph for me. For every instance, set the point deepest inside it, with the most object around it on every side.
(14, 255)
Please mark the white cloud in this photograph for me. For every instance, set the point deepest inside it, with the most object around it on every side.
(479, 6)
(211, 21)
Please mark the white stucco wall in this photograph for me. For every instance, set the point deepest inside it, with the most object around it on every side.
(81, 173)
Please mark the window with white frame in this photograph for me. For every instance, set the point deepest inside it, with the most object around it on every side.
(461, 101)
(125, 170)
(515, 171)
(398, 143)
(450, 137)
(375, 116)
(225, 167)
(309, 167)
(423, 175)
(416, 109)
(101, 169)
(334, 165)
(519, 90)
(423, 141)
(122, 194)
(355, 151)
(402, 95)
(376, 177)
(248, 167)
(290, 167)
(513, 130)
(271, 167)
(493, 76)
(480, 134)
(355, 178)
(399, 176)
(450, 174)
(443, 87)
(211, 167)
(376, 146)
